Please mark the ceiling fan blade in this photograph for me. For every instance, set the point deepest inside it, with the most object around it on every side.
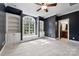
(42, 3)
(46, 10)
(38, 9)
(53, 4)
(38, 3)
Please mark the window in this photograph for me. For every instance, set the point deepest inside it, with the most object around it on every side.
(28, 25)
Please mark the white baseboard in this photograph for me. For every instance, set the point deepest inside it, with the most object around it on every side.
(2, 49)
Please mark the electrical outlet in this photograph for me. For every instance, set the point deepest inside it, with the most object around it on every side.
(73, 37)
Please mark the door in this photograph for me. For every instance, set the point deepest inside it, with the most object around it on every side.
(64, 29)
(41, 28)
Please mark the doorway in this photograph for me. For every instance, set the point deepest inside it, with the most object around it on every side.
(64, 29)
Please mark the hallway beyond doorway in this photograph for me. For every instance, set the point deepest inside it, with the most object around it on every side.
(63, 29)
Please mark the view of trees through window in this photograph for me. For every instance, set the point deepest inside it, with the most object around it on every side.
(28, 25)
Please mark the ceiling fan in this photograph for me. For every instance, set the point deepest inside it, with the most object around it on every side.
(44, 6)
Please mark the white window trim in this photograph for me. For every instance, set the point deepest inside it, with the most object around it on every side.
(29, 25)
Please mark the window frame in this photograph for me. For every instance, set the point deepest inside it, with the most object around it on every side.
(30, 18)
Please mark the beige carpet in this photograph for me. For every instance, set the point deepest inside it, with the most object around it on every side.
(43, 47)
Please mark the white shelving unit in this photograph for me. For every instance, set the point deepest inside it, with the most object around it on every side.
(12, 28)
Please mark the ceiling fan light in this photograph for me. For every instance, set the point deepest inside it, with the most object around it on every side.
(44, 7)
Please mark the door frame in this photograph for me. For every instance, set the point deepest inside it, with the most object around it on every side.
(59, 28)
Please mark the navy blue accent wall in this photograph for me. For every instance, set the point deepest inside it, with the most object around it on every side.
(41, 18)
(49, 26)
(13, 10)
(73, 24)
(2, 25)
(21, 23)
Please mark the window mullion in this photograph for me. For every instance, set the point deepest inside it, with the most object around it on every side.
(29, 27)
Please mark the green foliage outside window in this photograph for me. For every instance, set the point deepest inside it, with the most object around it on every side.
(29, 26)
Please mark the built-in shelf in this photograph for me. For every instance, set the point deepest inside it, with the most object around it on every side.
(13, 33)
(13, 23)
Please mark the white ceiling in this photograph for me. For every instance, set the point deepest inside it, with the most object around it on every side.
(30, 9)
